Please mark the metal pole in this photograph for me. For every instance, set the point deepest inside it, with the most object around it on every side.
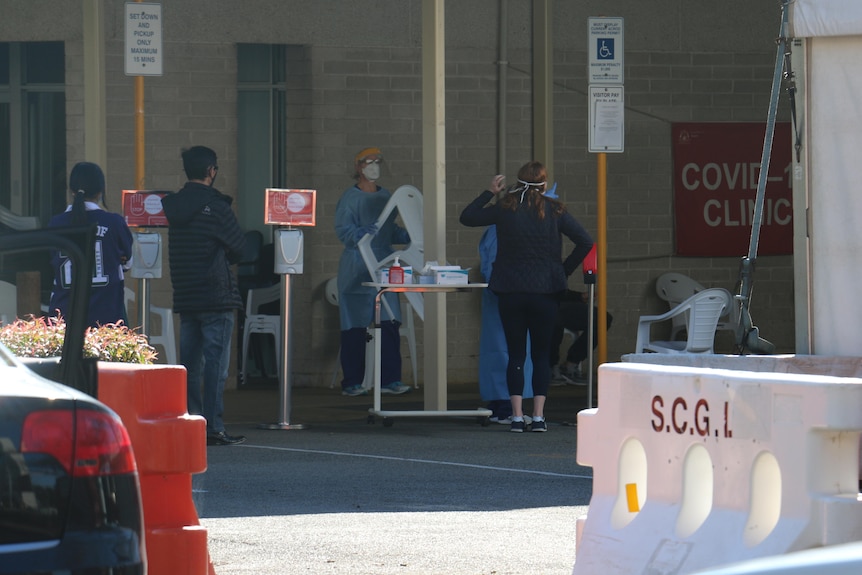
(285, 378)
(144, 307)
(144, 300)
(590, 328)
(747, 334)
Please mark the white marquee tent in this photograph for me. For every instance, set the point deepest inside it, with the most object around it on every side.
(828, 179)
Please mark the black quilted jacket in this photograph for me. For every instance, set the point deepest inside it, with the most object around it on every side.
(204, 239)
(529, 250)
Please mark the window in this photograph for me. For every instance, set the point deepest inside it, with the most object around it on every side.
(262, 127)
(32, 128)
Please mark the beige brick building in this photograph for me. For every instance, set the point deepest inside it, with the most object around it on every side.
(287, 91)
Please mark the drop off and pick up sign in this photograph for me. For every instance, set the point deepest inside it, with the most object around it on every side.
(143, 48)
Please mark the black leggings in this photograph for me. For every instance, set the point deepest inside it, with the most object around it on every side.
(533, 314)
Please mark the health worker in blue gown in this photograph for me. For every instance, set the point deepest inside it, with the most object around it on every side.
(493, 355)
(356, 216)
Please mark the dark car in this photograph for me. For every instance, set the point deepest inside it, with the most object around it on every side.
(69, 491)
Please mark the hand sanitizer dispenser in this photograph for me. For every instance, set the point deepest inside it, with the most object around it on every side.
(146, 256)
(288, 251)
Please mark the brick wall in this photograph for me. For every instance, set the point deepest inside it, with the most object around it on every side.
(355, 80)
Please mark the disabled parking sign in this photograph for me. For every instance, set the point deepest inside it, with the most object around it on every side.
(605, 48)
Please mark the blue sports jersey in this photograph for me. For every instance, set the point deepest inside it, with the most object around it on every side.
(113, 248)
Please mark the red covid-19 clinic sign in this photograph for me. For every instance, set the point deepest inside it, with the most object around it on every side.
(716, 172)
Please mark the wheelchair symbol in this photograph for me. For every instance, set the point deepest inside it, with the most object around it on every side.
(605, 48)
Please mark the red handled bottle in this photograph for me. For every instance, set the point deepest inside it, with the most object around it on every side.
(396, 273)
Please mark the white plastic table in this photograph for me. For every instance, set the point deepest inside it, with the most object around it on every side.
(387, 415)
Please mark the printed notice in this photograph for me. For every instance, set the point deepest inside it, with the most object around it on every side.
(606, 118)
(143, 46)
(290, 207)
(605, 51)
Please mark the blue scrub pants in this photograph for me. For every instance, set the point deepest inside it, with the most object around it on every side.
(353, 342)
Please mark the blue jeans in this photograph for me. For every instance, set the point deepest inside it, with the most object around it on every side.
(205, 352)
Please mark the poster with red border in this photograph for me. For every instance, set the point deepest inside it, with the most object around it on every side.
(143, 209)
(289, 207)
(716, 168)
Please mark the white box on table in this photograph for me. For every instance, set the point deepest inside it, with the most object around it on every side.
(451, 275)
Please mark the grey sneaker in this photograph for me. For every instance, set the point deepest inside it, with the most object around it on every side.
(572, 376)
(508, 420)
(539, 425)
(354, 390)
(557, 377)
(394, 388)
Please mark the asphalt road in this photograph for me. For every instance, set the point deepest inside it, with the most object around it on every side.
(425, 496)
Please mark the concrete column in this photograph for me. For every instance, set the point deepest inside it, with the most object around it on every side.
(434, 193)
(95, 139)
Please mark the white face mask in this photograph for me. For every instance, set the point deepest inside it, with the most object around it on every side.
(371, 172)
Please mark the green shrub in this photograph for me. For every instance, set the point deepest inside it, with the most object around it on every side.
(43, 337)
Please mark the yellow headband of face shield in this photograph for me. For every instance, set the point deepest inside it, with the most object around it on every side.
(367, 152)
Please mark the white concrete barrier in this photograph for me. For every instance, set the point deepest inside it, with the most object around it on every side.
(696, 467)
(839, 366)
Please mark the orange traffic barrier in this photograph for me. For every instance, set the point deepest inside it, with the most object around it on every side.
(169, 445)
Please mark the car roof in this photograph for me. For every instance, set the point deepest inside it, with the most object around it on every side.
(16, 382)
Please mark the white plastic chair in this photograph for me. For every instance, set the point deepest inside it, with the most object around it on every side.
(165, 337)
(702, 311)
(8, 302)
(16, 222)
(674, 288)
(408, 201)
(408, 330)
(261, 323)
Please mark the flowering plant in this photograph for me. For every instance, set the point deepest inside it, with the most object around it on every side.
(43, 337)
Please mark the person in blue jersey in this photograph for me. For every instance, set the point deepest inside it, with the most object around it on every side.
(355, 216)
(529, 275)
(113, 249)
(204, 240)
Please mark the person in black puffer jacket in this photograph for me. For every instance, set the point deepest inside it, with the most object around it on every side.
(204, 239)
(529, 275)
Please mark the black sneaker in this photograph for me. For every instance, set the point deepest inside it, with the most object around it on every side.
(222, 438)
(539, 425)
(517, 427)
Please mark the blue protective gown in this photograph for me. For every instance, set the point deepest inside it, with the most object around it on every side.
(357, 209)
(493, 355)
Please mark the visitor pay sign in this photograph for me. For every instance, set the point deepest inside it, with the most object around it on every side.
(143, 47)
(606, 119)
(605, 50)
